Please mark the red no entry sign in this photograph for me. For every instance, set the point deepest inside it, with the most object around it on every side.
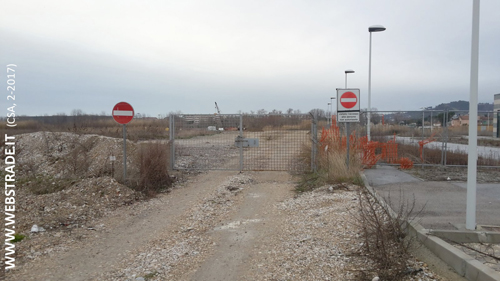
(123, 112)
(348, 100)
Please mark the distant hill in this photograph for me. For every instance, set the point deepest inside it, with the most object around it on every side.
(463, 105)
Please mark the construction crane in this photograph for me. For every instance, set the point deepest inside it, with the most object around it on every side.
(218, 117)
(217, 107)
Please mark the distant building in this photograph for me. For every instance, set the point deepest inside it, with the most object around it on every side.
(460, 120)
(496, 122)
(463, 120)
(455, 122)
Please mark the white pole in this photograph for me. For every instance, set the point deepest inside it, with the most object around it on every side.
(124, 153)
(369, 89)
(470, 222)
(431, 121)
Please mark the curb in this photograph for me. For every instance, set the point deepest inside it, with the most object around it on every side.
(462, 263)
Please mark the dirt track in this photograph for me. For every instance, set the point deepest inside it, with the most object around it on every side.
(220, 225)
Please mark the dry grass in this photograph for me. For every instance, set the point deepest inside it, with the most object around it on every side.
(150, 172)
(464, 131)
(191, 133)
(137, 129)
(271, 122)
(434, 156)
(331, 165)
(334, 169)
(390, 130)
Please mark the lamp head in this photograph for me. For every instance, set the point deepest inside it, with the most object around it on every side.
(349, 71)
(376, 28)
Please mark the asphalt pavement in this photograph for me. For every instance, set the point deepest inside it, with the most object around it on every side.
(440, 204)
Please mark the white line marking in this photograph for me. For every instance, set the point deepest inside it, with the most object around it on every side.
(123, 113)
(348, 100)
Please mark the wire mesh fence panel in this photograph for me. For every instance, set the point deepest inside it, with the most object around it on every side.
(284, 142)
(265, 142)
(204, 142)
(430, 137)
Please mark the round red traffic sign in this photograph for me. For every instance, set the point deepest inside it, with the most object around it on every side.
(123, 112)
(348, 100)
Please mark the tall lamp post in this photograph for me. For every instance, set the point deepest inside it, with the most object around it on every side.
(328, 112)
(331, 112)
(346, 72)
(373, 28)
(470, 214)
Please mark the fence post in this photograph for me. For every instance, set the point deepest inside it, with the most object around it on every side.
(442, 137)
(446, 137)
(314, 142)
(423, 137)
(171, 130)
(498, 124)
(348, 135)
(240, 144)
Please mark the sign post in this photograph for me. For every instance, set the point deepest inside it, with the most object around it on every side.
(123, 113)
(348, 112)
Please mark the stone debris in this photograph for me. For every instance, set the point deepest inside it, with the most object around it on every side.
(53, 219)
(318, 241)
(35, 229)
(489, 254)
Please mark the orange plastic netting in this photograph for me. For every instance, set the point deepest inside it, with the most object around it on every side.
(372, 151)
(424, 142)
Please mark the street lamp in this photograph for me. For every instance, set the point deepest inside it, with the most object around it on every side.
(331, 111)
(346, 72)
(373, 28)
(327, 112)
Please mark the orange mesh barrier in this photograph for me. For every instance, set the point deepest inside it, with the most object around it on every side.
(372, 151)
(424, 142)
(406, 163)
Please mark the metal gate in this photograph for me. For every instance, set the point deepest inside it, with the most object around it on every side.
(242, 142)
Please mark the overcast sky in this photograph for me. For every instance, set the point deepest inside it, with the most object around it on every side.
(164, 56)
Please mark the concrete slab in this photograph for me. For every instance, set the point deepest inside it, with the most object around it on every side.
(382, 175)
(442, 204)
(463, 264)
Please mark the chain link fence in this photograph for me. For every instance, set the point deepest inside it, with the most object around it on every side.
(242, 142)
(431, 137)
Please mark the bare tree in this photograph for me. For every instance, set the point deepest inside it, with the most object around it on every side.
(77, 112)
(320, 113)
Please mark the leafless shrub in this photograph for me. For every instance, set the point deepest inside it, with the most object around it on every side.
(151, 164)
(385, 235)
(76, 162)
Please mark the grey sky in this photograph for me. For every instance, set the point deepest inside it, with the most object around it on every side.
(164, 56)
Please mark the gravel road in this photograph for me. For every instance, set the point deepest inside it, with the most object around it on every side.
(220, 225)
